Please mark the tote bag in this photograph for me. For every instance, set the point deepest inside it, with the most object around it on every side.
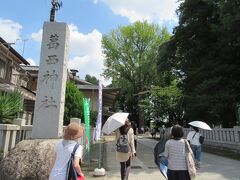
(190, 161)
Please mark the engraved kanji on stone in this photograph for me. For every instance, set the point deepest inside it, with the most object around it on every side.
(50, 77)
(48, 102)
(53, 41)
(52, 59)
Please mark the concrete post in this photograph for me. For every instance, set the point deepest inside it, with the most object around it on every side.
(29, 119)
(76, 120)
(236, 133)
(217, 134)
(13, 136)
(19, 121)
(7, 141)
(52, 76)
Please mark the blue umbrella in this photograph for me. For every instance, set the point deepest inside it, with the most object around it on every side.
(163, 166)
(159, 159)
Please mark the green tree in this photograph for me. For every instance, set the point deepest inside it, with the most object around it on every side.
(93, 118)
(10, 105)
(203, 52)
(165, 103)
(229, 56)
(130, 60)
(73, 103)
(91, 79)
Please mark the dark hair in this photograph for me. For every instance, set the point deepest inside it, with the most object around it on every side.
(177, 131)
(134, 126)
(195, 128)
(124, 129)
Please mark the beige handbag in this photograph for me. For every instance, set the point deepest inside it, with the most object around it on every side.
(190, 160)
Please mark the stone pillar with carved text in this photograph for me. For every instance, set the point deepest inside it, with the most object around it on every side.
(52, 76)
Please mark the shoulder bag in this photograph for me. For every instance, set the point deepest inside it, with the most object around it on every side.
(190, 160)
(71, 173)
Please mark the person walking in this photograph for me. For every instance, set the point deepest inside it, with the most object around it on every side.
(193, 137)
(122, 157)
(175, 153)
(63, 152)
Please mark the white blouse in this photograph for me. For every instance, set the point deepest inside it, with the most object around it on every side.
(63, 153)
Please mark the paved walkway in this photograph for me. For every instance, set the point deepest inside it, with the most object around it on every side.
(213, 167)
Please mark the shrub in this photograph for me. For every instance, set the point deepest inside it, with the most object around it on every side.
(93, 118)
(73, 103)
(10, 105)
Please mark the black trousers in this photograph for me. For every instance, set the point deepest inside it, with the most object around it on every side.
(125, 169)
(135, 144)
(178, 175)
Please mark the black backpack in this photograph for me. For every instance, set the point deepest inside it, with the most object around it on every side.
(71, 174)
(201, 139)
(122, 144)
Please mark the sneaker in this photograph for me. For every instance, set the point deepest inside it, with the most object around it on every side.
(197, 164)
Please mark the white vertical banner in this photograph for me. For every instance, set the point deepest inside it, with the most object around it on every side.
(97, 133)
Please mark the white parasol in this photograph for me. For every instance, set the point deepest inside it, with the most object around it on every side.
(200, 124)
(114, 122)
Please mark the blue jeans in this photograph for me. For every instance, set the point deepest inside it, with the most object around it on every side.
(197, 152)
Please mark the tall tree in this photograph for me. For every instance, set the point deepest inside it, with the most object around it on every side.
(130, 60)
(204, 51)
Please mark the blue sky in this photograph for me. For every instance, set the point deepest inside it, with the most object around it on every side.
(22, 20)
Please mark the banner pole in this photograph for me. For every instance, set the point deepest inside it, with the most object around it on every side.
(98, 134)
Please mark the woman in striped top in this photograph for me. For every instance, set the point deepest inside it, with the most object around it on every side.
(175, 152)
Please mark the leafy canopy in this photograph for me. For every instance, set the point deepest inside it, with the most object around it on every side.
(91, 79)
(130, 60)
(204, 52)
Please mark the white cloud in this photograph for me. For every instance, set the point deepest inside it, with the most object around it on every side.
(10, 30)
(140, 10)
(31, 61)
(95, 1)
(85, 51)
(86, 65)
(37, 36)
(85, 44)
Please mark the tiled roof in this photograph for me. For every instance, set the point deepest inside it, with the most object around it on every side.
(95, 87)
(12, 50)
(30, 68)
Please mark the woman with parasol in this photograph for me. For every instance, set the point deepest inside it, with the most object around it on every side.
(194, 137)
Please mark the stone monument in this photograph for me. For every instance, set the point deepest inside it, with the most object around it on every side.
(52, 76)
